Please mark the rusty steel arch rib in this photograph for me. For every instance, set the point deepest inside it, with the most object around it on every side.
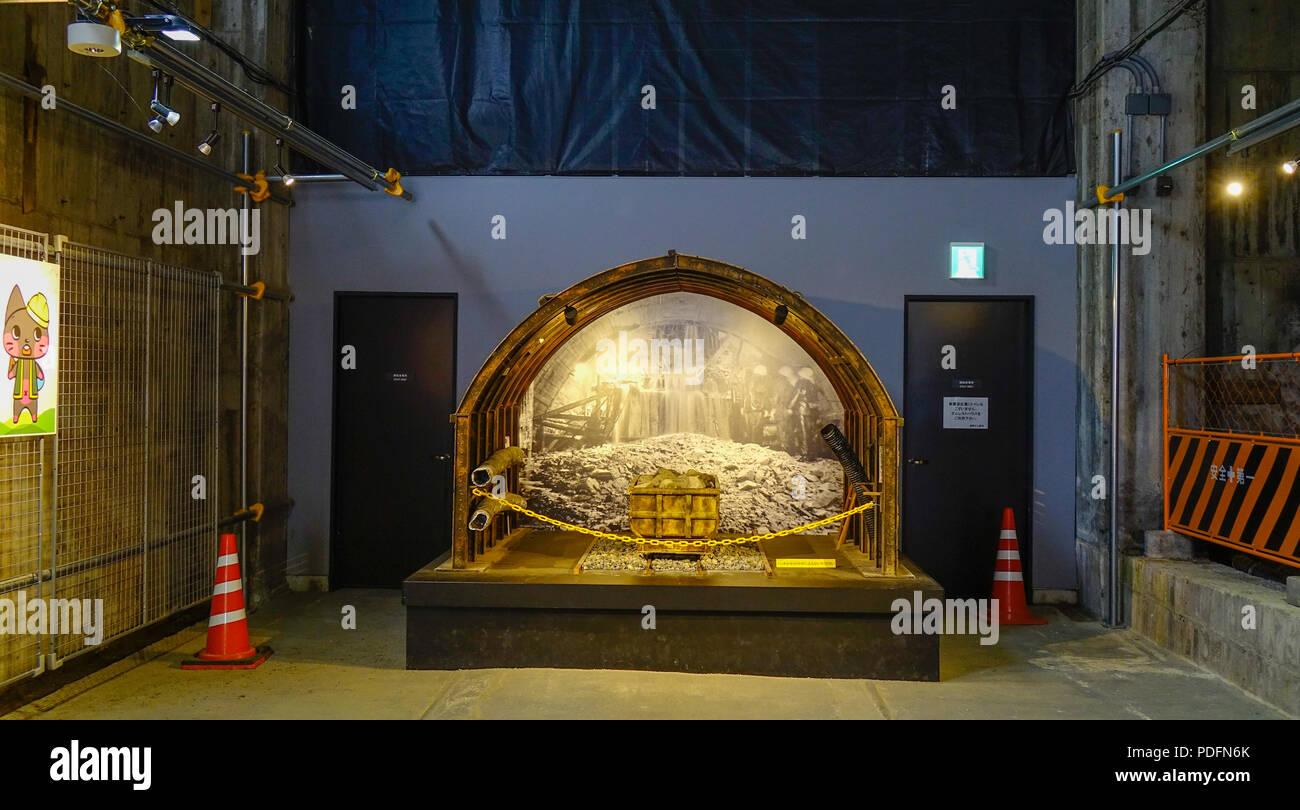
(488, 415)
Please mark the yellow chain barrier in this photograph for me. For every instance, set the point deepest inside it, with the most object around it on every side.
(729, 541)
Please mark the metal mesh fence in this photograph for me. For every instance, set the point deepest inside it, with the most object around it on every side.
(1256, 396)
(24, 512)
(22, 537)
(138, 421)
(182, 454)
(102, 429)
(121, 507)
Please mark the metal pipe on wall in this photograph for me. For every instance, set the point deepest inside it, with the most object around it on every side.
(1113, 618)
(1261, 129)
(309, 178)
(243, 375)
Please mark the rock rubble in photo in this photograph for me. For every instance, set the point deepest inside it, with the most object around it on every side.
(588, 486)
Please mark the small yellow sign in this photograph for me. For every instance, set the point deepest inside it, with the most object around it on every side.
(804, 562)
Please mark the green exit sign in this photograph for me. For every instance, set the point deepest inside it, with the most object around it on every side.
(967, 260)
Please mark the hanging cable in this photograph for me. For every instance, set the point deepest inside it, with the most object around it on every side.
(1113, 59)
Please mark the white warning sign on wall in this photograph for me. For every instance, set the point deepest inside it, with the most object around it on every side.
(965, 413)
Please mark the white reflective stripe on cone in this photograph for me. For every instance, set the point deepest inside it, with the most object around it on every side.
(226, 618)
(1011, 576)
(227, 559)
(1008, 554)
(228, 587)
(1007, 534)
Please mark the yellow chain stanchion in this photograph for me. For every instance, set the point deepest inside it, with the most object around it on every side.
(650, 541)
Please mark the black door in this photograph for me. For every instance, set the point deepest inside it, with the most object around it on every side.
(394, 391)
(967, 435)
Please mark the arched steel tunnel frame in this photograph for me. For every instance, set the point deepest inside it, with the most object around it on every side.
(488, 415)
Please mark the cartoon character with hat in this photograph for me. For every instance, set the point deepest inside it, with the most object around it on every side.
(26, 340)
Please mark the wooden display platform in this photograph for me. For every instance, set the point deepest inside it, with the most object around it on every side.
(525, 607)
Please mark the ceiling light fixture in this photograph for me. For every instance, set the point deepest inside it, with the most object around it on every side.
(171, 26)
(94, 39)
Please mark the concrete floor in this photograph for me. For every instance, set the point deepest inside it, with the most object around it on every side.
(1066, 669)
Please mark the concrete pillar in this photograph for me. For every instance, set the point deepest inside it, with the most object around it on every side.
(1162, 292)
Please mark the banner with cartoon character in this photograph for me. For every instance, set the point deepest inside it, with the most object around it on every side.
(31, 294)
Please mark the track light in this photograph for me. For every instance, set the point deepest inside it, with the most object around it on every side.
(156, 124)
(1235, 188)
(167, 113)
(1290, 166)
(278, 168)
(205, 145)
(161, 110)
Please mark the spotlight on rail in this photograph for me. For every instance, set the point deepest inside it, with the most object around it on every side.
(278, 168)
(166, 113)
(205, 145)
(158, 105)
(1290, 166)
(94, 39)
(156, 124)
(1235, 188)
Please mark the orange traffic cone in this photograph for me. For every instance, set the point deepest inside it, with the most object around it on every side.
(228, 646)
(1008, 579)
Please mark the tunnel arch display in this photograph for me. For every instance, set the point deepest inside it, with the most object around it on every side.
(488, 416)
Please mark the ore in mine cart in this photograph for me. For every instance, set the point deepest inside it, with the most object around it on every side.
(673, 506)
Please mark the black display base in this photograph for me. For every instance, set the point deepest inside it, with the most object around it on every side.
(528, 609)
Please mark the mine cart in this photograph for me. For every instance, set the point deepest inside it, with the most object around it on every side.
(672, 506)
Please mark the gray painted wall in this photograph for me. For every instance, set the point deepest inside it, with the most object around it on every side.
(870, 241)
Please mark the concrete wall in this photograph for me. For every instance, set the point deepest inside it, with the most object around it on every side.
(61, 175)
(870, 242)
(1162, 292)
(1236, 625)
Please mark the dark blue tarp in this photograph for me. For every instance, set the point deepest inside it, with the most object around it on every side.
(759, 88)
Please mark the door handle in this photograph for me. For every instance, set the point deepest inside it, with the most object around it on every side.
(917, 461)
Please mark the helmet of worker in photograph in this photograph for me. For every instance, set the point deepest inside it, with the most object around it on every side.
(787, 372)
(806, 373)
(759, 370)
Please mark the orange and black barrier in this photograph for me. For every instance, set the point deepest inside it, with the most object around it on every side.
(1232, 452)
